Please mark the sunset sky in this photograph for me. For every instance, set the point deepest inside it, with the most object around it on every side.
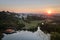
(30, 6)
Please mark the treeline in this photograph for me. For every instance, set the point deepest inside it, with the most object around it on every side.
(9, 19)
(34, 17)
(52, 28)
(13, 20)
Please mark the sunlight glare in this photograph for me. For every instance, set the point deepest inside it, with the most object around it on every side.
(49, 12)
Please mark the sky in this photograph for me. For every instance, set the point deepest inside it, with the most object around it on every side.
(30, 6)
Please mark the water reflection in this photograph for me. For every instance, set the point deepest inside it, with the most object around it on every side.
(27, 35)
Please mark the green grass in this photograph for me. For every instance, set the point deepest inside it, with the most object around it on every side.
(32, 24)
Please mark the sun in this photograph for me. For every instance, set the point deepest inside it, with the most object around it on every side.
(49, 12)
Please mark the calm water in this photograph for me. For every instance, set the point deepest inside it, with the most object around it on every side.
(27, 35)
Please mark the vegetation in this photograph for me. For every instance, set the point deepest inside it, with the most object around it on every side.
(8, 19)
(53, 29)
(55, 36)
(13, 20)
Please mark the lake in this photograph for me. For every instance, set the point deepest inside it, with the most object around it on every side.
(27, 35)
